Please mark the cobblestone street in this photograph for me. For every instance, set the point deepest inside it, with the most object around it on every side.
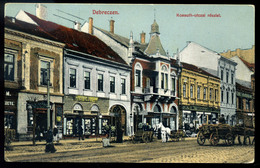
(187, 151)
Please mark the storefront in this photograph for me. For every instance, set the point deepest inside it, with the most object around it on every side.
(198, 115)
(10, 109)
(90, 113)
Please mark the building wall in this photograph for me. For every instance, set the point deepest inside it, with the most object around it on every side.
(242, 71)
(227, 107)
(110, 99)
(195, 79)
(30, 51)
(117, 47)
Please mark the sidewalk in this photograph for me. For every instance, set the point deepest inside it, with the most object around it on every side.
(63, 141)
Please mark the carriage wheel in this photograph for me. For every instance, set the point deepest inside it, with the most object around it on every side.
(229, 139)
(246, 140)
(200, 138)
(214, 139)
(145, 138)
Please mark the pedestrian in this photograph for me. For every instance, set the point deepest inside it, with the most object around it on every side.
(49, 142)
(81, 133)
(55, 134)
(222, 119)
(38, 133)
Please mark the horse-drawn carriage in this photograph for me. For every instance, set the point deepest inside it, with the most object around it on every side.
(144, 133)
(215, 132)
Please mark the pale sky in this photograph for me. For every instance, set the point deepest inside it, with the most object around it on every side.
(234, 29)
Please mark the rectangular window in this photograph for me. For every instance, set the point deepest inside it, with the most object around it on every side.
(216, 95)
(112, 84)
(222, 75)
(162, 80)
(9, 67)
(100, 82)
(232, 78)
(247, 104)
(173, 84)
(210, 93)
(138, 78)
(44, 72)
(191, 91)
(166, 81)
(222, 96)
(232, 98)
(123, 86)
(87, 80)
(184, 90)
(204, 93)
(227, 97)
(198, 92)
(240, 103)
(227, 77)
(73, 78)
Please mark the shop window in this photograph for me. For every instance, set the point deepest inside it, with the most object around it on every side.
(9, 66)
(69, 127)
(72, 77)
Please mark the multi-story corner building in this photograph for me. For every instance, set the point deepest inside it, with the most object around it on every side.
(28, 52)
(96, 81)
(219, 66)
(154, 83)
(199, 96)
(151, 100)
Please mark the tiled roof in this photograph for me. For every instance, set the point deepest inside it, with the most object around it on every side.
(154, 45)
(249, 65)
(27, 28)
(77, 40)
(241, 87)
(193, 68)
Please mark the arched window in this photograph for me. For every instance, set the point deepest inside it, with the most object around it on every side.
(138, 74)
(173, 110)
(164, 77)
(94, 108)
(157, 108)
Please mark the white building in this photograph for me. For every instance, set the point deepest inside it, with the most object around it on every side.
(219, 66)
(243, 72)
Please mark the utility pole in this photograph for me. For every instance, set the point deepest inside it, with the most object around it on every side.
(48, 97)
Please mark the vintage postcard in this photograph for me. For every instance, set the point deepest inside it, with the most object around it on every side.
(129, 83)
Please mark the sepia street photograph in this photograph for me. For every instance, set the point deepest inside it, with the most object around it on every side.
(129, 83)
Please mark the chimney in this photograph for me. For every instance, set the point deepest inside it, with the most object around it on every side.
(90, 25)
(77, 26)
(41, 11)
(112, 26)
(142, 37)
